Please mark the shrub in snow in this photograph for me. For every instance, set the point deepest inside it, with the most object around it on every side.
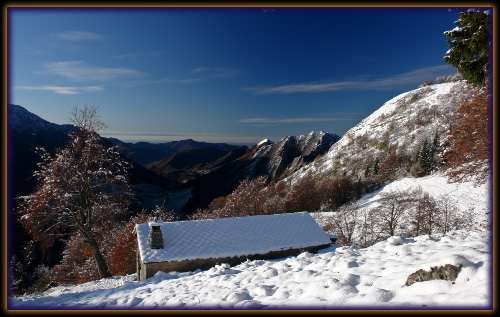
(448, 78)
(392, 213)
(344, 223)
(426, 83)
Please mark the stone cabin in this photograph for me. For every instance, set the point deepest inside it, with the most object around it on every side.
(189, 245)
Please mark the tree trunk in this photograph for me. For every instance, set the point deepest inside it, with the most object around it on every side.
(102, 267)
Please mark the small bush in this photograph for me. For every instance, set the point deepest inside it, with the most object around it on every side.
(382, 146)
(425, 84)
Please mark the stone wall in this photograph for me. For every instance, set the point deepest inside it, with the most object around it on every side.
(147, 270)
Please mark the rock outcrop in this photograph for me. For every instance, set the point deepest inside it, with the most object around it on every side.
(446, 272)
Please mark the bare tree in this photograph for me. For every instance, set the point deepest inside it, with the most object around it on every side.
(345, 223)
(367, 233)
(447, 213)
(450, 217)
(393, 210)
(417, 215)
(425, 215)
(79, 189)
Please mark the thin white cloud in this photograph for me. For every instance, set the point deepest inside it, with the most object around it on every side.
(141, 54)
(349, 113)
(77, 36)
(63, 90)
(291, 120)
(410, 78)
(81, 71)
(138, 82)
(179, 81)
(218, 72)
(126, 55)
(263, 125)
(199, 74)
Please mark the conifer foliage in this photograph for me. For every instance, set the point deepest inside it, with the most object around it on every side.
(469, 46)
(80, 191)
(467, 158)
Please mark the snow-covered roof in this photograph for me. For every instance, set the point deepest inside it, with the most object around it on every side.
(227, 237)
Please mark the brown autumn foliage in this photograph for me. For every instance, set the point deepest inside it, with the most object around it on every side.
(334, 192)
(303, 196)
(246, 200)
(79, 189)
(250, 198)
(118, 246)
(255, 197)
(389, 167)
(468, 155)
(77, 265)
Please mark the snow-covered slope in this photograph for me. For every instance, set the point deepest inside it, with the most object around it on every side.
(472, 203)
(403, 122)
(23, 121)
(474, 200)
(335, 278)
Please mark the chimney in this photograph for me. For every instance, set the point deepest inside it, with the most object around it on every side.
(155, 237)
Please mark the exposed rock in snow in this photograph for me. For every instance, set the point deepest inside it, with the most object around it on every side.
(446, 272)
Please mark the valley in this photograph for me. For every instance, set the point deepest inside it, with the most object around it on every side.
(352, 176)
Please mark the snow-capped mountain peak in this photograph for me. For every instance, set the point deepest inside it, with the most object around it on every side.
(264, 142)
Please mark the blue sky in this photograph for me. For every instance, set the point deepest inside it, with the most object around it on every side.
(235, 75)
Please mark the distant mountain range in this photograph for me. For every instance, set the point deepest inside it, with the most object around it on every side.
(273, 160)
(215, 171)
(145, 152)
(184, 166)
(209, 169)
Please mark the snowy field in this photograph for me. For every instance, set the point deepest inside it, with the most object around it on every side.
(335, 278)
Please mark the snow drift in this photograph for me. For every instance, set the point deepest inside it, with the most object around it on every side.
(335, 278)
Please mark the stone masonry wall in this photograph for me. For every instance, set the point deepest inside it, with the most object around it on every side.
(148, 270)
